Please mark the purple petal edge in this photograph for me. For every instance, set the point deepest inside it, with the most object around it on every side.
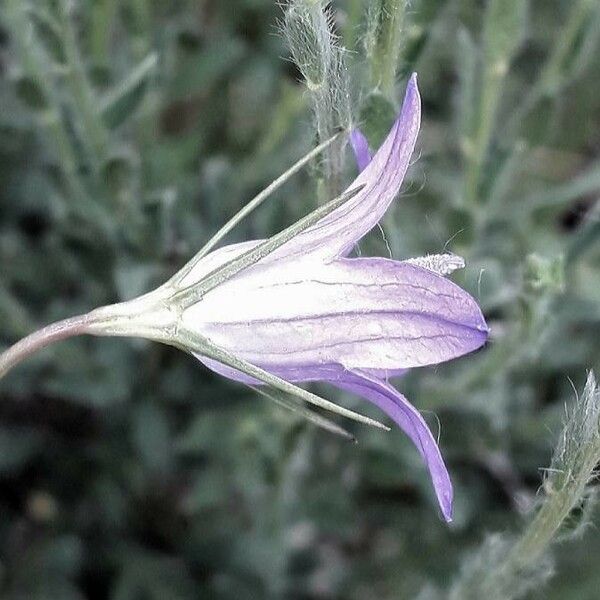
(386, 398)
(311, 315)
(406, 416)
(336, 234)
(360, 147)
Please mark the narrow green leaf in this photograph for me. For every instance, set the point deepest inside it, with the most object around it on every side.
(191, 294)
(503, 33)
(308, 414)
(466, 64)
(587, 183)
(123, 100)
(248, 208)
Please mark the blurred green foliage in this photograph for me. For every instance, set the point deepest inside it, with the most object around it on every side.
(130, 130)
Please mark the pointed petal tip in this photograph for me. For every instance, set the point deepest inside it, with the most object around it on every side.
(445, 495)
(446, 506)
(482, 327)
(396, 406)
(412, 87)
(411, 105)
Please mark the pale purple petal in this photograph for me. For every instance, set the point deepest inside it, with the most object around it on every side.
(337, 233)
(304, 313)
(300, 373)
(384, 396)
(394, 404)
(367, 313)
(360, 147)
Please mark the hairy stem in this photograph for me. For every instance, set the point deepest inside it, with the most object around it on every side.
(507, 568)
(309, 30)
(502, 36)
(490, 97)
(386, 20)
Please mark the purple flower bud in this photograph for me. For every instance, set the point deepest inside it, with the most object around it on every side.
(360, 147)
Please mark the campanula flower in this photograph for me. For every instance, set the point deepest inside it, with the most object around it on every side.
(308, 312)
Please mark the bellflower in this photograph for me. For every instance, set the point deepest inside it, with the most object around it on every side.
(307, 312)
(296, 308)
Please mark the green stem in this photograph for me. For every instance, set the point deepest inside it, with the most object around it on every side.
(316, 51)
(538, 536)
(478, 150)
(103, 13)
(147, 316)
(354, 12)
(384, 44)
(40, 339)
(552, 74)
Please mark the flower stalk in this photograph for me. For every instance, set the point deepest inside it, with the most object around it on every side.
(157, 316)
(506, 568)
(40, 339)
(383, 43)
(309, 30)
(502, 35)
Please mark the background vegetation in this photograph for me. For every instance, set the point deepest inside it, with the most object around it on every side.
(130, 130)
